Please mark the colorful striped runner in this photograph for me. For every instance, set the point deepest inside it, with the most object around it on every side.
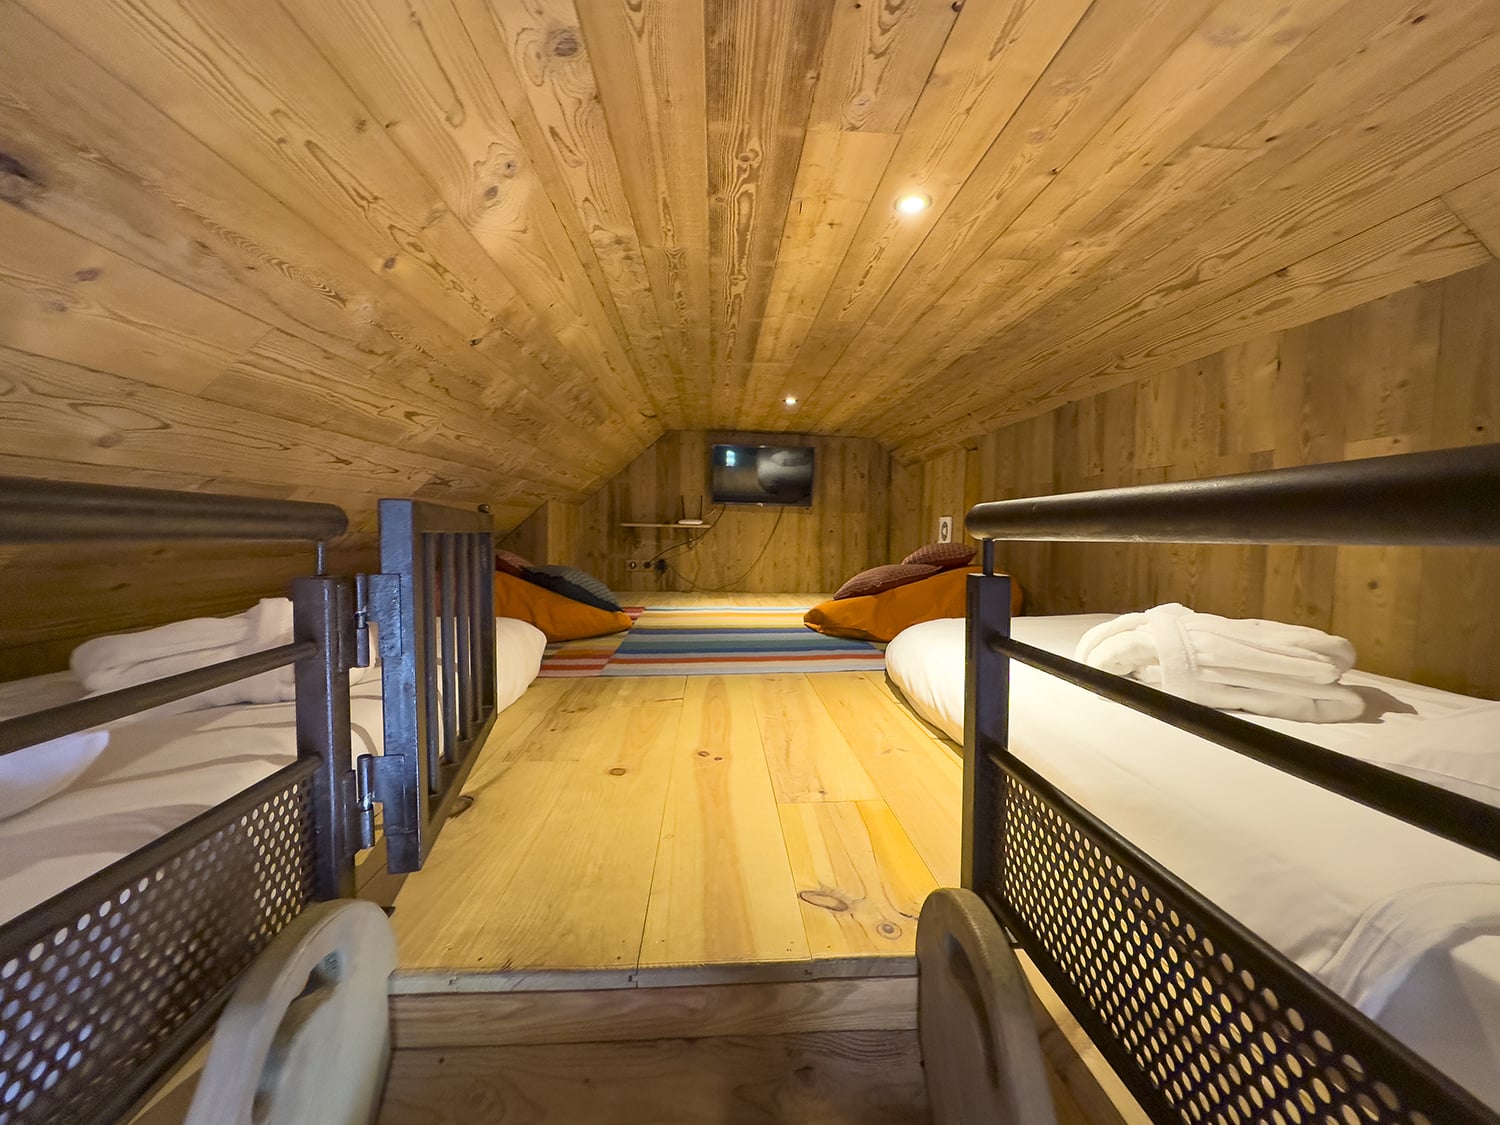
(585, 658)
(731, 640)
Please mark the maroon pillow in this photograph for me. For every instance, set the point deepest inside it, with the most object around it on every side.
(881, 578)
(944, 556)
(508, 562)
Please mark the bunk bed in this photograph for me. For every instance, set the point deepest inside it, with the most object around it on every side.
(1205, 1019)
(106, 982)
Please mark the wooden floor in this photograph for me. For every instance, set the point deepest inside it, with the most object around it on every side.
(626, 831)
(692, 899)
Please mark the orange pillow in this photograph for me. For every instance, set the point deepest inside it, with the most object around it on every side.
(879, 617)
(562, 619)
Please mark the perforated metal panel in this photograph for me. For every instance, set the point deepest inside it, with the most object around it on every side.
(95, 984)
(1200, 1033)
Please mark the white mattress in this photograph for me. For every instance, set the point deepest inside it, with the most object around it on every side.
(160, 770)
(1405, 925)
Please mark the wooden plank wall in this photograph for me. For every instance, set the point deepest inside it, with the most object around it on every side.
(1419, 369)
(59, 596)
(551, 534)
(750, 549)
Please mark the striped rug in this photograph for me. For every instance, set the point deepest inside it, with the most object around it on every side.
(729, 640)
(585, 658)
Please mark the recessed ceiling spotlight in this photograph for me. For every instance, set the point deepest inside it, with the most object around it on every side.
(913, 204)
(790, 400)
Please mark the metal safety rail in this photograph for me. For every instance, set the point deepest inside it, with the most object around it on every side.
(105, 985)
(433, 605)
(1201, 1018)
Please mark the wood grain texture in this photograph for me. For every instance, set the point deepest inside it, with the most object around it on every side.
(873, 1077)
(860, 883)
(762, 68)
(895, 749)
(1415, 370)
(493, 251)
(651, 74)
(750, 549)
(596, 787)
(721, 830)
(546, 79)
(807, 755)
(687, 1012)
(661, 831)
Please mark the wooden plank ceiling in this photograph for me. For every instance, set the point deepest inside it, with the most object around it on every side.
(491, 249)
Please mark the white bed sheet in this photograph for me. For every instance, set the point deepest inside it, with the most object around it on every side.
(160, 770)
(1401, 923)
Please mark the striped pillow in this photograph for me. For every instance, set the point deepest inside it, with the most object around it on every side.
(573, 583)
(880, 578)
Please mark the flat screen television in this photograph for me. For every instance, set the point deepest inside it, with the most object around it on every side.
(761, 474)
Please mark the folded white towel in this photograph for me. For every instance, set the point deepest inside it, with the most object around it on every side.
(112, 663)
(1265, 667)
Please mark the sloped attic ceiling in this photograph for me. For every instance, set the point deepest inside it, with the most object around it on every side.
(490, 249)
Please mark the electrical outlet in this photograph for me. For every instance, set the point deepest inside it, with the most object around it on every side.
(945, 529)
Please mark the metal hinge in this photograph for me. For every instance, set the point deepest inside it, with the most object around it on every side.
(378, 598)
(362, 620)
(362, 812)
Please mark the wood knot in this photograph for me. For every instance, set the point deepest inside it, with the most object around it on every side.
(388, 264)
(618, 771)
(17, 183)
(565, 42)
(463, 804)
(888, 929)
(828, 900)
(491, 191)
(90, 274)
(702, 753)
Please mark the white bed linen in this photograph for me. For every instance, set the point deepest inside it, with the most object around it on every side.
(160, 770)
(1375, 907)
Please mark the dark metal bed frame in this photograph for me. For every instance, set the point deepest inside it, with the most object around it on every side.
(1204, 1021)
(105, 986)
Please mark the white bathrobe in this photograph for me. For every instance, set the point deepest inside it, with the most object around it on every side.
(1264, 667)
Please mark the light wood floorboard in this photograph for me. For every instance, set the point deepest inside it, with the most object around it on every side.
(870, 1077)
(860, 882)
(722, 889)
(753, 842)
(739, 827)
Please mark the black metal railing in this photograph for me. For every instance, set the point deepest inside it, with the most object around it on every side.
(1446, 498)
(47, 511)
(1203, 1020)
(433, 606)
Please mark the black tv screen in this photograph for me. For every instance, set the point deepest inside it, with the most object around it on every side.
(761, 474)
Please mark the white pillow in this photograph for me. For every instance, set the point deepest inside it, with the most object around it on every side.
(28, 777)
